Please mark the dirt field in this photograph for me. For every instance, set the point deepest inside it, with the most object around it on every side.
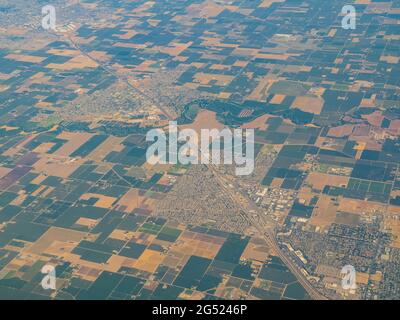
(309, 104)
(324, 213)
(320, 180)
(75, 140)
(66, 236)
(53, 166)
(200, 245)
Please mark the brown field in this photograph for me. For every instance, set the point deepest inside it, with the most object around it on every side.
(15, 31)
(175, 49)
(39, 179)
(143, 238)
(346, 218)
(145, 66)
(171, 261)
(390, 59)
(216, 42)
(19, 200)
(320, 180)
(130, 201)
(302, 166)
(166, 180)
(194, 295)
(64, 52)
(207, 9)
(267, 3)
(205, 119)
(87, 222)
(258, 123)
(114, 263)
(44, 147)
(324, 213)
(395, 126)
(360, 206)
(86, 271)
(395, 210)
(275, 56)
(191, 243)
(15, 149)
(39, 78)
(20, 261)
(99, 55)
(332, 32)
(77, 62)
(362, 278)
(75, 140)
(328, 271)
(395, 193)
(360, 146)
(278, 98)
(3, 88)
(256, 249)
(377, 277)
(305, 195)
(6, 76)
(149, 260)
(123, 235)
(4, 171)
(245, 51)
(393, 225)
(53, 166)
(102, 202)
(45, 105)
(65, 236)
(157, 167)
(369, 142)
(24, 58)
(341, 131)
(229, 292)
(260, 92)
(277, 182)
(39, 191)
(309, 104)
(374, 119)
(220, 67)
(128, 34)
(8, 128)
(206, 78)
(368, 103)
(360, 131)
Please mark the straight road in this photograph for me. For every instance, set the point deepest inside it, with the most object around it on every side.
(266, 229)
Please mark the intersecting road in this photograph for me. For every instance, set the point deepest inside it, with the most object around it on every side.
(266, 229)
(264, 226)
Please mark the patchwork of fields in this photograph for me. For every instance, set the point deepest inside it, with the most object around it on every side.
(76, 191)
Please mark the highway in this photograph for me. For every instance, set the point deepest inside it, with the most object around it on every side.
(264, 227)
(267, 231)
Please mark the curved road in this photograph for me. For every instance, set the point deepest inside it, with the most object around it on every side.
(266, 231)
